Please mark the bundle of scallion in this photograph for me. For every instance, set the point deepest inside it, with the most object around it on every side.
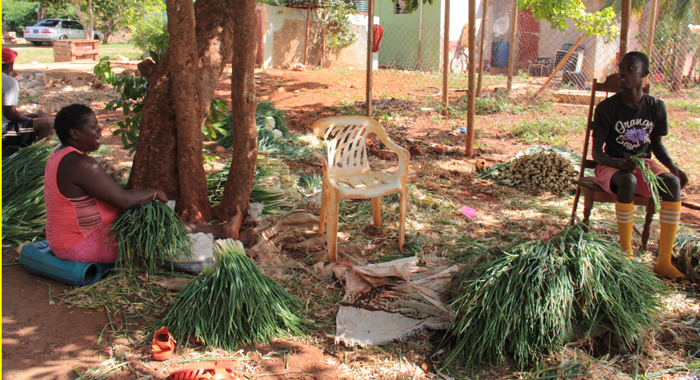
(652, 180)
(526, 302)
(273, 186)
(263, 110)
(232, 303)
(23, 208)
(148, 233)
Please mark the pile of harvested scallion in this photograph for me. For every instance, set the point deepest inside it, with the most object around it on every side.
(232, 303)
(526, 302)
(23, 208)
(148, 233)
(273, 186)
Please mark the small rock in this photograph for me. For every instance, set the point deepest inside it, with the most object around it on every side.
(415, 151)
(439, 149)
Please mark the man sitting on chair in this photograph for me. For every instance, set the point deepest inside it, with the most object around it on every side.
(632, 123)
(18, 130)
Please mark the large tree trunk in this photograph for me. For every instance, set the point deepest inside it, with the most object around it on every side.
(243, 163)
(157, 163)
(184, 69)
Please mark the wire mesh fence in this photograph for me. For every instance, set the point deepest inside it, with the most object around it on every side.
(547, 65)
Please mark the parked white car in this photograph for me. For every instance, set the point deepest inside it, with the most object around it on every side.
(53, 29)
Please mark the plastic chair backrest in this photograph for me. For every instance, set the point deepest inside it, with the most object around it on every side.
(346, 142)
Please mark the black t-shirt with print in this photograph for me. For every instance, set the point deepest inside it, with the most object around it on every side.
(629, 130)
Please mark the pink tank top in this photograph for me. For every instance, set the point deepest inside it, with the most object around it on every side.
(70, 220)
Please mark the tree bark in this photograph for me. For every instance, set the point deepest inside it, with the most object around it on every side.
(157, 163)
(243, 163)
(88, 36)
(186, 94)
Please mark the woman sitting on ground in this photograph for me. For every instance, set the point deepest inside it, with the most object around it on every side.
(82, 200)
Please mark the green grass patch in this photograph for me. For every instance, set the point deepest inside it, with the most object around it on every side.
(545, 131)
(29, 53)
(690, 125)
(693, 108)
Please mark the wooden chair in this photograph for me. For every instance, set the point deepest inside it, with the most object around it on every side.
(346, 172)
(586, 185)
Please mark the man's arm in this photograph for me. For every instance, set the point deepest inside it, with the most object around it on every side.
(661, 154)
(12, 113)
(602, 158)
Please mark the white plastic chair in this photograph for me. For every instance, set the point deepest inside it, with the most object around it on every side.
(346, 172)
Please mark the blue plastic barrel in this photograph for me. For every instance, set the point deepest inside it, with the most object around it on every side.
(499, 53)
(37, 258)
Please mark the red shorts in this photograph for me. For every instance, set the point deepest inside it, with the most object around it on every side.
(98, 247)
(604, 174)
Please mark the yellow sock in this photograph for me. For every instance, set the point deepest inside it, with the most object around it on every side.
(669, 217)
(625, 224)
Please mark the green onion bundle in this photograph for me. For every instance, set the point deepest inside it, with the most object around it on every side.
(263, 110)
(273, 186)
(526, 302)
(688, 246)
(23, 207)
(232, 303)
(148, 233)
(652, 180)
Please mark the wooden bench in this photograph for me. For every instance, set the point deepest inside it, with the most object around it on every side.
(73, 50)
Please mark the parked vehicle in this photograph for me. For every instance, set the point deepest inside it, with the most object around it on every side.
(53, 29)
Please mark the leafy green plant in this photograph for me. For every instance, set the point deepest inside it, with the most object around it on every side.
(334, 16)
(216, 121)
(131, 101)
(152, 36)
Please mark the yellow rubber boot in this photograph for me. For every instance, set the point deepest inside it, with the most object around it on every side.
(669, 217)
(625, 224)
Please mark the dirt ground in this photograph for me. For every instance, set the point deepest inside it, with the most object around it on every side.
(44, 339)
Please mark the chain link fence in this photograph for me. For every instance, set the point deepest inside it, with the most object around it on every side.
(410, 62)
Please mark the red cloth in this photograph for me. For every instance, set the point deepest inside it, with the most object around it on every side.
(378, 34)
(9, 55)
(69, 221)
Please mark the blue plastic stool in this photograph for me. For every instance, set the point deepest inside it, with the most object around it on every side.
(37, 258)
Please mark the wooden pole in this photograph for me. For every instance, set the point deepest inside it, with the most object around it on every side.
(560, 65)
(625, 12)
(306, 42)
(370, 44)
(511, 48)
(446, 57)
(650, 37)
(420, 32)
(484, 21)
(471, 99)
